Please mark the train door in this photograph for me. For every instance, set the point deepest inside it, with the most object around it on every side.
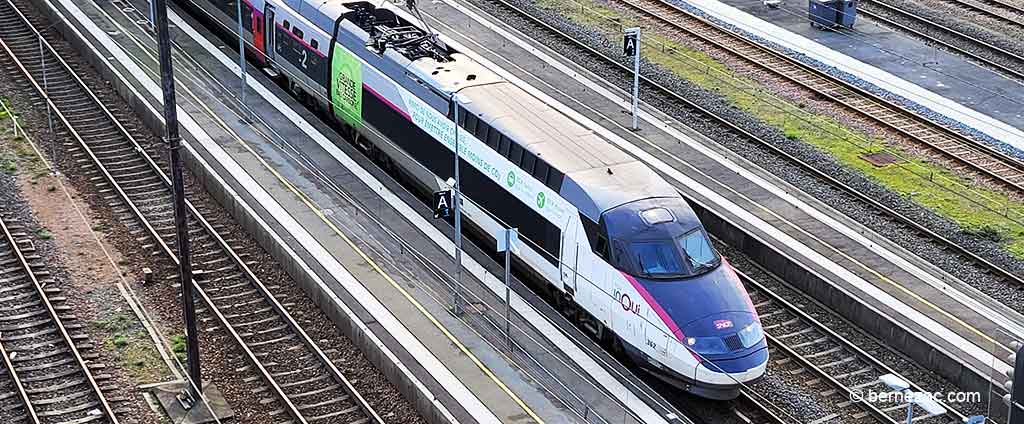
(270, 32)
(657, 340)
(258, 30)
(570, 256)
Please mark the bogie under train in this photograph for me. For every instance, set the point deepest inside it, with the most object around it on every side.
(615, 242)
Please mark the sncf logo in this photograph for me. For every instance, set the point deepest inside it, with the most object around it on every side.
(721, 324)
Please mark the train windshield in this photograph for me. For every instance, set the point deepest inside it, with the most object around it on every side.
(685, 256)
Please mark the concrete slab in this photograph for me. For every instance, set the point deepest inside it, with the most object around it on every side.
(213, 407)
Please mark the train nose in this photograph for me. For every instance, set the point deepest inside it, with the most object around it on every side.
(737, 364)
(728, 342)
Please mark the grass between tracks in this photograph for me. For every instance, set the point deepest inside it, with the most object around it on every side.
(985, 212)
(120, 334)
(126, 339)
(16, 154)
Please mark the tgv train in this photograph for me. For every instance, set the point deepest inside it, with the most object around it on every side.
(616, 244)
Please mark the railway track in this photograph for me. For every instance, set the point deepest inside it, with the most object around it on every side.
(696, 109)
(750, 409)
(980, 51)
(45, 376)
(825, 358)
(1010, 13)
(997, 166)
(837, 368)
(298, 376)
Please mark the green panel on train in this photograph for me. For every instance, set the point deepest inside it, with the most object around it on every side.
(347, 86)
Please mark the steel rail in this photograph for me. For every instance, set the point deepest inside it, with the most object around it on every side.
(293, 410)
(22, 393)
(999, 4)
(1015, 71)
(58, 323)
(746, 396)
(761, 408)
(1005, 6)
(858, 100)
(732, 127)
(843, 342)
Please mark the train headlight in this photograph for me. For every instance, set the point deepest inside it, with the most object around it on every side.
(751, 334)
(707, 345)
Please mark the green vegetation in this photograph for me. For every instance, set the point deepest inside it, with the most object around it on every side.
(16, 152)
(44, 234)
(985, 212)
(127, 341)
(178, 346)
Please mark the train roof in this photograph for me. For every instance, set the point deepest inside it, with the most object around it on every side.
(322, 13)
(598, 175)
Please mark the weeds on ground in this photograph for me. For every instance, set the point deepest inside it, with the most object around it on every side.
(988, 213)
(127, 340)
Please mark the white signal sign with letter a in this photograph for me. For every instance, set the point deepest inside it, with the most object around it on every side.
(442, 204)
(629, 45)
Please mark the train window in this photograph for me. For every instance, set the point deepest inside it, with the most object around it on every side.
(592, 230)
(314, 44)
(540, 172)
(482, 129)
(298, 33)
(515, 154)
(602, 246)
(529, 160)
(247, 17)
(493, 138)
(554, 180)
(287, 25)
(471, 121)
(504, 145)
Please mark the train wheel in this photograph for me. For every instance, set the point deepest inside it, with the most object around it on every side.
(615, 346)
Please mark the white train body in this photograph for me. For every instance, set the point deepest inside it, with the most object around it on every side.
(580, 204)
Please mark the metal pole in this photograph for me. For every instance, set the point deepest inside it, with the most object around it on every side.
(508, 285)
(46, 89)
(180, 219)
(910, 406)
(456, 308)
(636, 81)
(241, 50)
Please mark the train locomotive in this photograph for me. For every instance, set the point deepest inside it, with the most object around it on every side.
(613, 242)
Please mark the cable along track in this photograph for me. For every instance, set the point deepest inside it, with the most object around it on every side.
(45, 378)
(997, 166)
(298, 375)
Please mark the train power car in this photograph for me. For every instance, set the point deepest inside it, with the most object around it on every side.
(612, 240)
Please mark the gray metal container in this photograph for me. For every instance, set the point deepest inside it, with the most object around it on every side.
(832, 13)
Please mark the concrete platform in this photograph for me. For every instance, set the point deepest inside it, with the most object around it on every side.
(363, 248)
(942, 82)
(904, 300)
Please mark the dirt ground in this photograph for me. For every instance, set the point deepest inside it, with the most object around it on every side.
(88, 270)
